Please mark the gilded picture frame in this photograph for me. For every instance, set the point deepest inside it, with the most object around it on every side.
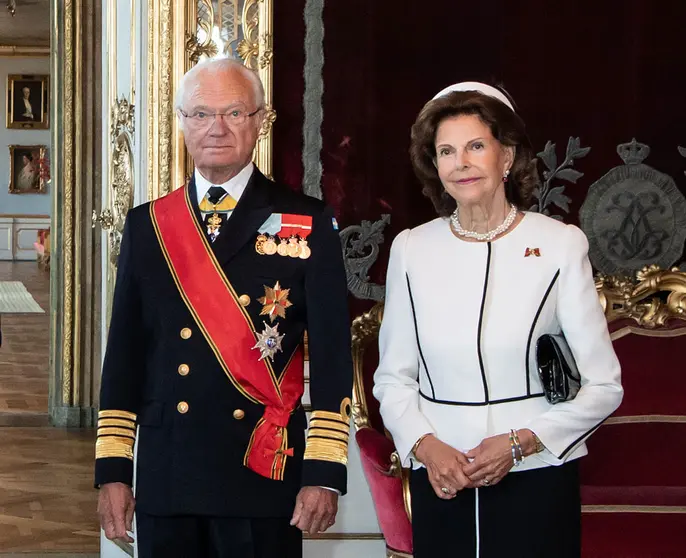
(28, 102)
(26, 169)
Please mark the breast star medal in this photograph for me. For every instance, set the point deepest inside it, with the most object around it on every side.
(214, 223)
(269, 342)
(274, 302)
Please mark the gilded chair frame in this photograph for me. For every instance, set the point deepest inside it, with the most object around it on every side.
(365, 330)
(653, 299)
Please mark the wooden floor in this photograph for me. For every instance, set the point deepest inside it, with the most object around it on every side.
(24, 355)
(47, 500)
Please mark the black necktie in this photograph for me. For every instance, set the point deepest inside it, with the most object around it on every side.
(214, 194)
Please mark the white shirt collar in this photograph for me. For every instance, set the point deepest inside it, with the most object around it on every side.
(235, 186)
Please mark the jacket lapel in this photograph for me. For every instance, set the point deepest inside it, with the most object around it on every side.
(193, 195)
(252, 210)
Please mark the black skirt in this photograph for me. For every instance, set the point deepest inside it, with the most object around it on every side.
(528, 514)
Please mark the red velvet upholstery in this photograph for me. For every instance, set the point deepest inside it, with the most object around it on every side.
(633, 482)
(383, 473)
(387, 490)
(633, 535)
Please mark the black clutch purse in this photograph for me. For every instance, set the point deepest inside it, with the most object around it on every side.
(557, 369)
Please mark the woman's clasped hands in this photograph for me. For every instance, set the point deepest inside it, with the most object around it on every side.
(451, 470)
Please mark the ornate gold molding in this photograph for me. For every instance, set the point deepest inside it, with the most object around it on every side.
(122, 190)
(122, 118)
(652, 299)
(160, 120)
(195, 47)
(257, 21)
(76, 167)
(67, 247)
(174, 45)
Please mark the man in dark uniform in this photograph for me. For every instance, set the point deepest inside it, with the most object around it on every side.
(203, 372)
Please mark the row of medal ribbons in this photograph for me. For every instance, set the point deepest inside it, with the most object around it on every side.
(294, 247)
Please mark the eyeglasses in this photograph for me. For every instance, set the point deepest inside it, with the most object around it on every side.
(234, 117)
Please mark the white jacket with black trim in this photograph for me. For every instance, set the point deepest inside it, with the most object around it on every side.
(457, 342)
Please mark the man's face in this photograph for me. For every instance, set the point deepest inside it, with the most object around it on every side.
(26, 91)
(222, 141)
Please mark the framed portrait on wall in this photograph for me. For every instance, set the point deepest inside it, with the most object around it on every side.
(27, 175)
(28, 105)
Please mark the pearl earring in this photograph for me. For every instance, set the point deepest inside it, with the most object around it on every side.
(506, 175)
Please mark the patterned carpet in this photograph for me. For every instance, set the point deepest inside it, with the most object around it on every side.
(15, 299)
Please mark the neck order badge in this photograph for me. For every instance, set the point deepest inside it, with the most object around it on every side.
(212, 204)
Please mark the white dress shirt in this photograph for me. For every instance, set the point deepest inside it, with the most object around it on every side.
(234, 186)
(457, 342)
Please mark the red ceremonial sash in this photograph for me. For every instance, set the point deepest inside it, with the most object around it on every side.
(229, 331)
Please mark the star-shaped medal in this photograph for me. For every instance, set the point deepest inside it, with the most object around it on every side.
(274, 302)
(269, 341)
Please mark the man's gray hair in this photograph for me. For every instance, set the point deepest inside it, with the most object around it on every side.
(214, 66)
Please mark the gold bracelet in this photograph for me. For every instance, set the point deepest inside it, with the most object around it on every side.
(539, 447)
(414, 449)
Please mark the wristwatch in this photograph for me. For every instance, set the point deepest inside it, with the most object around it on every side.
(538, 445)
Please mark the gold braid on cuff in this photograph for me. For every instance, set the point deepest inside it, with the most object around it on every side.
(116, 434)
(327, 437)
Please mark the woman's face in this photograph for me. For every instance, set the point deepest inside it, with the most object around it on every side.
(25, 159)
(471, 163)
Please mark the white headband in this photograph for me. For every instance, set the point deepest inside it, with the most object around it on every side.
(479, 87)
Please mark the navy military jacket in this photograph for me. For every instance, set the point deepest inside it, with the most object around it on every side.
(165, 396)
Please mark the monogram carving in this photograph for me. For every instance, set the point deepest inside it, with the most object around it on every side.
(634, 216)
(636, 237)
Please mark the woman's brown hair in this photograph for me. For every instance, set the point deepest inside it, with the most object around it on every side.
(506, 126)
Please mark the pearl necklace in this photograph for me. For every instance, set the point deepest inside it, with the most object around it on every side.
(487, 236)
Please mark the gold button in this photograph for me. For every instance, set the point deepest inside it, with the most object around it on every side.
(238, 414)
(244, 300)
(184, 369)
(186, 333)
(182, 407)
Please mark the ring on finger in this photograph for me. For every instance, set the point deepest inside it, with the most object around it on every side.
(445, 490)
(486, 482)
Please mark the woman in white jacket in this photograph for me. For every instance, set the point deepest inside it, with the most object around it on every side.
(468, 294)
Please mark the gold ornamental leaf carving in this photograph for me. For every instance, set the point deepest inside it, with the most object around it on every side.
(122, 118)
(653, 299)
(247, 51)
(268, 121)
